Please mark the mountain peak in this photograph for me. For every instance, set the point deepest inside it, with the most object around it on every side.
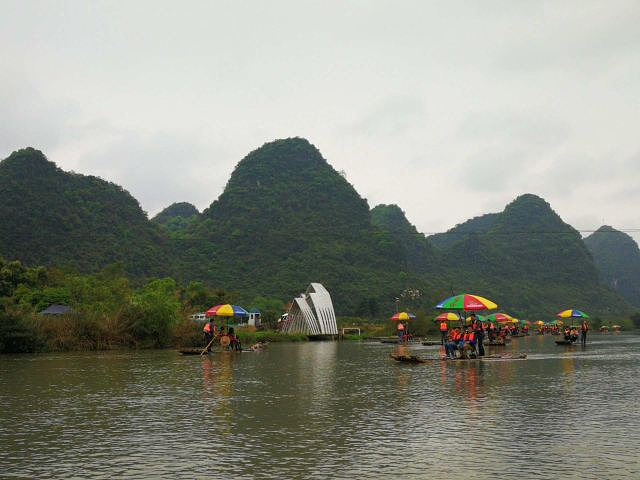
(28, 161)
(177, 209)
(391, 217)
(618, 259)
(530, 213)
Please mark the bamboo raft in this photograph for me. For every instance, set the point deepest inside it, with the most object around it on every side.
(198, 351)
(496, 344)
(416, 359)
(565, 342)
(395, 340)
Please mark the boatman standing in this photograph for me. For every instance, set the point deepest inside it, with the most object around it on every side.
(400, 331)
(478, 329)
(444, 330)
(209, 330)
(584, 328)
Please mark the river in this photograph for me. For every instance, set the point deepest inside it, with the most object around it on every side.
(324, 410)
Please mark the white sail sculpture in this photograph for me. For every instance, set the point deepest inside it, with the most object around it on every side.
(312, 313)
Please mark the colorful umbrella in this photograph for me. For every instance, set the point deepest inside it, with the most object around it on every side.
(226, 310)
(403, 316)
(525, 322)
(499, 318)
(480, 318)
(572, 313)
(539, 322)
(448, 317)
(467, 302)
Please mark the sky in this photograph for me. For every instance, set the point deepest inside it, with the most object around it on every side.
(448, 109)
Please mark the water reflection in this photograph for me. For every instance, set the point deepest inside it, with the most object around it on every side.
(324, 410)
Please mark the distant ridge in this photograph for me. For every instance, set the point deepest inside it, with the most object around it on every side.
(177, 217)
(617, 257)
(287, 218)
(473, 226)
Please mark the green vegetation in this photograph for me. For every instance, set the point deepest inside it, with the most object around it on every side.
(473, 226)
(54, 218)
(177, 217)
(617, 257)
(286, 218)
(109, 311)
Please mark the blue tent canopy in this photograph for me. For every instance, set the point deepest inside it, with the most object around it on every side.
(58, 310)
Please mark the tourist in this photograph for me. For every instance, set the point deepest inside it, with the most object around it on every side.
(478, 330)
(451, 345)
(574, 335)
(492, 331)
(469, 345)
(234, 342)
(400, 331)
(584, 328)
(209, 330)
(443, 332)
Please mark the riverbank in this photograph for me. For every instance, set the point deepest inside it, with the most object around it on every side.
(129, 330)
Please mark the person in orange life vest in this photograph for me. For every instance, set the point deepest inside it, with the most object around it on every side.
(444, 330)
(400, 328)
(469, 339)
(574, 335)
(451, 345)
(584, 328)
(492, 332)
(209, 331)
(478, 330)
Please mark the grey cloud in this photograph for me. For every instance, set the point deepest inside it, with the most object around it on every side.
(395, 116)
(159, 169)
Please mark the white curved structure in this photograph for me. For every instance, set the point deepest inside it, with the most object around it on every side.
(312, 313)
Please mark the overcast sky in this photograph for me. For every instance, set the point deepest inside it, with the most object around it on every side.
(448, 109)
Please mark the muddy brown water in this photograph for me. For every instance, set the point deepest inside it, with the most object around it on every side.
(325, 410)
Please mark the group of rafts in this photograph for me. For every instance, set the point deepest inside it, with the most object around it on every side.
(455, 328)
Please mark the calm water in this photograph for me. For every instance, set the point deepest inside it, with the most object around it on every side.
(340, 410)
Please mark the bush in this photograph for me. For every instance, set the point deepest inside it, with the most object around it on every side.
(16, 336)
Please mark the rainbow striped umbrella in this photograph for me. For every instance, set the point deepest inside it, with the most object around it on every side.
(226, 310)
(467, 302)
(499, 318)
(480, 318)
(403, 316)
(572, 313)
(448, 317)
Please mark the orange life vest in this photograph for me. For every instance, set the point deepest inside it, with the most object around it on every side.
(443, 326)
(207, 327)
(472, 337)
(400, 326)
(466, 337)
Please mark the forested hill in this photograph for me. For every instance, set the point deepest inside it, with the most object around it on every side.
(177, 217)
(472, 226)
(618, 259)
(533, 260)
(409, 247)
(287, 218)
(51, 217)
